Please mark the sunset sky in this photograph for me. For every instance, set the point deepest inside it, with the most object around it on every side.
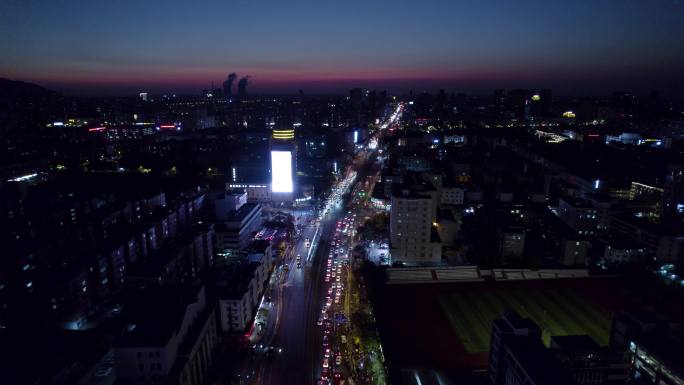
(123, 46)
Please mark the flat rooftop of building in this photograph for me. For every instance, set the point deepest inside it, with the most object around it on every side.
(156, 262)
(155, 314)
(413, 186)
(575, 344)
(243, 212)
(512, 319)
(539, 363)
(234, 279)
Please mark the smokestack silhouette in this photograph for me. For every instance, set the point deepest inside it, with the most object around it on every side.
(228, 86)
(242, 88)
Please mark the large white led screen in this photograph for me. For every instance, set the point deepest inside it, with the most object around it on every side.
(281, 171)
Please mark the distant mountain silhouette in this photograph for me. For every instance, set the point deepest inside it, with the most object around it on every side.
(27, 106)
(11, 90)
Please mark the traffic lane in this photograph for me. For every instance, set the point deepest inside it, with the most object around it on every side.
(319, 292)
(291, 289)
(292, 332)
(299, 248)
(315, 338)
(290, 335)
(303, 250)
(302, 301)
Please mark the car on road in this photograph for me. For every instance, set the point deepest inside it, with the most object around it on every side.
(325, 341)
(299, 265)
(338, 360)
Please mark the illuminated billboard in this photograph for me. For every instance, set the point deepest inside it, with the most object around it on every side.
(281, 171)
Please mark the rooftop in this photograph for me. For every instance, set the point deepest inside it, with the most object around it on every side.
(234, 279)
(243, 212)
(156, 314)
(538, 363)
(514, 321)
(575, 344)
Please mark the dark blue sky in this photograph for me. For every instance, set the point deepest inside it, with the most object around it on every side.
(577, 46)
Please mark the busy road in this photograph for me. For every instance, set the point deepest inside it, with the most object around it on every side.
(304, 336)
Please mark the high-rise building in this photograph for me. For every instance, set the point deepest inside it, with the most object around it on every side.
(653, 347)
(519, 103)
(356, 111)
(583, 357)
(412, 214)
(580, 215)
(510, 241)
(504, 331)
(316, 146)
(656, 362)
(499, 102)
(672, 214)
(283, 164)
(528, 362)
(172, 341)
(228, 86)
(242, 88)
(356, 98)
(625, 104)
(540, 103)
